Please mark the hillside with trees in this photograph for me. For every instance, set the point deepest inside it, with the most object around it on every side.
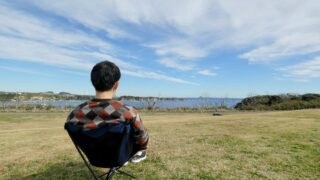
(41, 96)
(280, 102)
(65, 96)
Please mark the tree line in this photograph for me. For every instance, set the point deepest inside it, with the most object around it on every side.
(280, 102)
(61, 96)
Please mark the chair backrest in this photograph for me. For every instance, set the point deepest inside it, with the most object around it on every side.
(108, 146)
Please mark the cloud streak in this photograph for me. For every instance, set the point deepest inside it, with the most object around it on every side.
(28, 71)
(305, 70)
(176, 64)
(26, 37)
(207, 72)
(180, 33)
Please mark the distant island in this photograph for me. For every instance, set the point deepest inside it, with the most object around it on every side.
(65, 96)
(280, 102)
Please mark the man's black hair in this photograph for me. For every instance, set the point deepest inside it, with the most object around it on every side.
(104, 75)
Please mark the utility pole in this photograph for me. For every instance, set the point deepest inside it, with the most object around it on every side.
(17, 101)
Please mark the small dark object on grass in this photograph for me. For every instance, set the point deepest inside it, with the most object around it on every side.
(217, 114)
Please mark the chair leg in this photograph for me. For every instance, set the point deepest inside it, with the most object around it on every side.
(106, 173)
(115, 170)
(85, 161)
(111, 172)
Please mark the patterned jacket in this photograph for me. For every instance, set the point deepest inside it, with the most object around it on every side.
(99, 112)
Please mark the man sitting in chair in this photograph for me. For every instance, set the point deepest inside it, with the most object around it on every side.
(103, 110)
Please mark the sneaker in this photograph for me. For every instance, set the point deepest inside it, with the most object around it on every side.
(139, 156)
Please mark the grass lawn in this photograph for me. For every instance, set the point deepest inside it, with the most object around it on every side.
(263, 145)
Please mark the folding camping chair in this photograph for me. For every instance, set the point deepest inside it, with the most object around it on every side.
(110, 147)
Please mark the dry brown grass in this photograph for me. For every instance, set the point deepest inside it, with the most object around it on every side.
(266, 145)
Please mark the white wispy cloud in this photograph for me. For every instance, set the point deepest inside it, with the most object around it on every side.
(166, 15)
(22, 25)
(52, 55)
(97, 14)
(207, 72)
(24, 70)
(176, 64)
(155, 75)
(26, 37)
(28, 50)
(286, 46)
(179, 48)
(184, 31)
(305, 70)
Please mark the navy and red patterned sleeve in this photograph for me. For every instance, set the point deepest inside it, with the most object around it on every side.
(140, 131)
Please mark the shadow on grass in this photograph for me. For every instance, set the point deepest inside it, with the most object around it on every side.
(69, 170)
(62, 170)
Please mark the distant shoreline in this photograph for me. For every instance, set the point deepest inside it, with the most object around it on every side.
(50, 101)
(64, 96)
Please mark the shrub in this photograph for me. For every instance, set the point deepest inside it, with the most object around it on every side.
(281, 102)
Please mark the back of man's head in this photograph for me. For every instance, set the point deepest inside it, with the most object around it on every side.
(104, 75)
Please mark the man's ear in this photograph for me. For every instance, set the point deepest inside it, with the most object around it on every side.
(115, 86)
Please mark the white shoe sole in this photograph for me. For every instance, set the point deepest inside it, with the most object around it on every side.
(139, 160)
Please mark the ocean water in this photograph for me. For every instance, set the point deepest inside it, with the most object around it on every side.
(187, 102)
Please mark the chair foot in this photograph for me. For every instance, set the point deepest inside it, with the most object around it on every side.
(130, 175)
(113, 171)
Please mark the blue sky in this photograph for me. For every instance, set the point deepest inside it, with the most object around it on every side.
(185, 48)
